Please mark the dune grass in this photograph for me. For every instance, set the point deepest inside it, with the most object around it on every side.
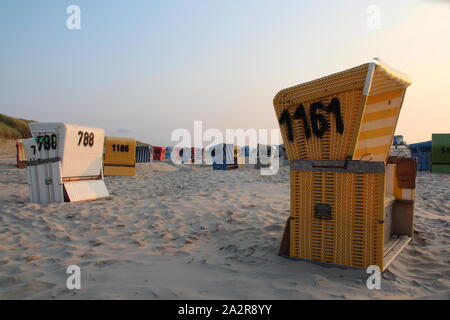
(14, 128)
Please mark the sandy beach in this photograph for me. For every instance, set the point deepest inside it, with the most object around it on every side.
(102, 99)
(184, 232)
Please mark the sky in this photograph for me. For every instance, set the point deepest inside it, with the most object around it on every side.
(145, 68)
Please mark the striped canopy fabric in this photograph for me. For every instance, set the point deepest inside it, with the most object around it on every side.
(386, 92)
(143, 154)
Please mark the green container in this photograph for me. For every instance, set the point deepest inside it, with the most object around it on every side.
(440, 149)
(440, 168)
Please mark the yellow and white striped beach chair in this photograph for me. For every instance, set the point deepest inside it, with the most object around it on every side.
(347, 206)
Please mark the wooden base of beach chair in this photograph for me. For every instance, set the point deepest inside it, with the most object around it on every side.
(285, 240)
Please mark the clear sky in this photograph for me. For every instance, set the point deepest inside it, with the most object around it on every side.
(144, 68)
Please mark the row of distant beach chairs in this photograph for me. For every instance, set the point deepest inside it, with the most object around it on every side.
(118, 153)
(67, 162)
(433, 155)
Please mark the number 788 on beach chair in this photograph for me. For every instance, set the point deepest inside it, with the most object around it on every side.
(351, 204)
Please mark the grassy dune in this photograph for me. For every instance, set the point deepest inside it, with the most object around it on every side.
(13, 128)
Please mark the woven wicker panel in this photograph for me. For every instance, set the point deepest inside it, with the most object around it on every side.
(354, 235)
(347, 87)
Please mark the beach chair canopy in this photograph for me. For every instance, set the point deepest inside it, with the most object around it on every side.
(347, 115)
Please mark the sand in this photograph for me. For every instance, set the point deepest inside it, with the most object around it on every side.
(187, 232)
